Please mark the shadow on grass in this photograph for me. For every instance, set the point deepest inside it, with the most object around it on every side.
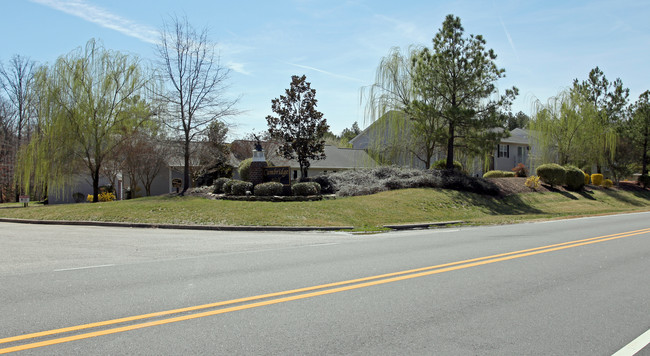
(587, 194)
(562, 192)
(509, 205)
(622, 198)
(643, 194)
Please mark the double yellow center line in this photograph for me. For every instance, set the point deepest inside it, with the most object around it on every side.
(195, 312)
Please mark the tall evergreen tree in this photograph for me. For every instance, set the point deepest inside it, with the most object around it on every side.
(299, 126)
(462, 73)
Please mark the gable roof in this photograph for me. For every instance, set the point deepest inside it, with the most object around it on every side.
(386, 127)
(517, 136)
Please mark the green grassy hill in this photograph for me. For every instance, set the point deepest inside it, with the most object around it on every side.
(362, 212)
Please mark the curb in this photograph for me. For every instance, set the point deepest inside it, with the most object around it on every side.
(178, 227)
(422, 225)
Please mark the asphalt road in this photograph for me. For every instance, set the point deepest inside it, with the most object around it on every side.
(448, 292)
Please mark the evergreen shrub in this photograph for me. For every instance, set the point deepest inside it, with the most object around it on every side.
(597, 179)
(239, 188)
(552, 174)
(245, 168)
(218, 185)
(269, 189)
(587, 178)
(442, 164)
(498, 174)
(607, 183)
(575, 178)
(644, 180)
(326, 186)
(227, 186)
(305, 189)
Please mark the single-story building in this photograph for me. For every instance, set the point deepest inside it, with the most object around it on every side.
(336, 159)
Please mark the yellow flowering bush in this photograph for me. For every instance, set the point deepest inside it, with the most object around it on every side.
(103, 197)
(607, 183)
(597, 179)
(532, 182)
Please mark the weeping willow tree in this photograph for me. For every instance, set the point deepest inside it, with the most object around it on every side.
(403, 130)
(89, 102)
(568, 129)
(609, 100)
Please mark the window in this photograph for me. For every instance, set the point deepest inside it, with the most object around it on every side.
(504, 151)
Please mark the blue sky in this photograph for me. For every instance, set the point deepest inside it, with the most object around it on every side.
(543, 45)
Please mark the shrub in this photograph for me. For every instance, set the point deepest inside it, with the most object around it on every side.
(78, 197)
(326, 186)
(574, 178)
(552, 174)
(371, 181)
(239, 187)
(227, 186)
(644, 180)
(269, 189)
(452, 179)
(597, 179)
(305, 189)
(442, 164)
(245, 168)
(218, 185)
(607, 183)
(587, 178)
(102, 197)
(520, 170)
(498, 174)
(532, 182)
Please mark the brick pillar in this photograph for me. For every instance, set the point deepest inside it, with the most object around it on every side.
(256, 173)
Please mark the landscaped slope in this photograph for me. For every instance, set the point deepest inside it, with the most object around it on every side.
(365, 212)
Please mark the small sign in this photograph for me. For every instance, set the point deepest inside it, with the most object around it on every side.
(24, 199)
(177, 182)
(280, 174)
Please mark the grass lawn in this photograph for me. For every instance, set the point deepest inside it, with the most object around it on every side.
(362, 212)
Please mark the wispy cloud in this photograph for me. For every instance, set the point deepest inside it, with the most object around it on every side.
(406, 29)
(238, 67)
(325, 72)
(103, 17)
(512, 44)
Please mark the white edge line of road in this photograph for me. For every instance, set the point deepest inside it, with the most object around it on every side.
(586, 217)
(86, 267)
(635, 346)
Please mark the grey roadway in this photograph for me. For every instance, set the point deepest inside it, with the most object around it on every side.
(586, 300)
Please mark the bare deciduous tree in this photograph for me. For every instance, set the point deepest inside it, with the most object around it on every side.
(195, 93)
(17, 83)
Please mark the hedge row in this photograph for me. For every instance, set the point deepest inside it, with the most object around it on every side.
(498, 174)
(573, 177)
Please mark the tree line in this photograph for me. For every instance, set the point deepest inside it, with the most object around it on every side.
(449, 98)
(593, 125)
(100, 111)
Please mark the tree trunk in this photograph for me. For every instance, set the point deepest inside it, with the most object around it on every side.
(186, 168)
(450, 147)
(96, 184)
(644, 163)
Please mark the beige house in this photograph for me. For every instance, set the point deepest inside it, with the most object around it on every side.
(336, 159)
